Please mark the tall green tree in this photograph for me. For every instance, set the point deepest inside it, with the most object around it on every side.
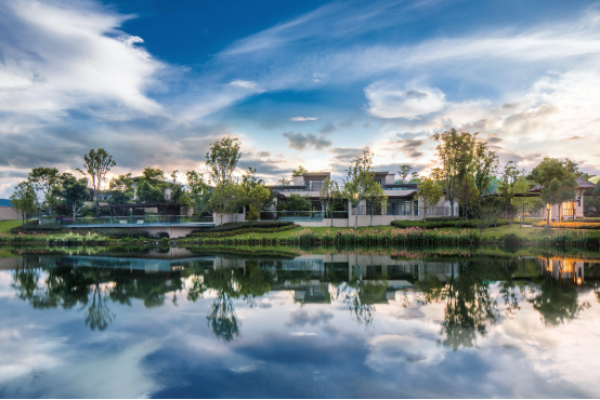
(198, 192)
(485, 164)
(222, 159)
(47, 181)
(75, 191)
(258, 198)
(360, 183)
(221, 200)
(429, 193)
(24, 200)
(122, 188)
(250, 180)
(331, 196)
(556, 182)
(507, 186)
(403, 171)
(457, 152)
(97, 163)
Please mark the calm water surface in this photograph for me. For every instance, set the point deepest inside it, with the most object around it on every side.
(191, 323)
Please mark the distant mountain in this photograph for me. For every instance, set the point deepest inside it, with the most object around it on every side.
(595, 179)
(5, 203)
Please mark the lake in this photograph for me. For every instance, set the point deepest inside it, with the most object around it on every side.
(298, 322)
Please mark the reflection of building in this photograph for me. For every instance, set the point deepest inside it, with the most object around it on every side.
(569, 268)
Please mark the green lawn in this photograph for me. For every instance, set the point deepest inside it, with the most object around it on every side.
(7, 225)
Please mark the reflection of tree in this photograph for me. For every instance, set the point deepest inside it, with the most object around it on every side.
(222, 318)
(469, 307)
(98, 314)
(362, 295)
(556, 302)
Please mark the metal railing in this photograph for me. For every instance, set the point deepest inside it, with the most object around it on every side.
(365, 210)
(302, 216)
(135, 220)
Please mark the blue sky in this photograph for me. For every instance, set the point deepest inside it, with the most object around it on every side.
(311, 82)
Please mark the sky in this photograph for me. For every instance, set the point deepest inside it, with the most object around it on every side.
(312, 82)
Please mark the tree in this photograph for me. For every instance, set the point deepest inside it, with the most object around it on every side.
(75, 191)
(299, 171)
(457, 151)
(258, 197)
(221, 200)
(521, 186)
(222, 158)
(485, 163)
(488, 213)
(149, 194)
(507, 185)
(550, 175)
(360, 183)
(123, 189)
(415, 177)
(294, 202)
(24, 200)
(198, 190)
(330, 195)
(250, 180)
(46, 180)
(179, 196)
(174, 175)
(560, 191)
(97, 164)
(284, 182)
(154, 176)
(429, 192)
(239, 198)
(468, 195)
(403, 172)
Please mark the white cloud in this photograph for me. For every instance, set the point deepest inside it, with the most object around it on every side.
(388, 352)
(71, 55)
(302, 119)
(244, 84)
(386, 100)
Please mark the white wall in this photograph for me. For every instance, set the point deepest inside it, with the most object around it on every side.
(228, 218)
(8, 213)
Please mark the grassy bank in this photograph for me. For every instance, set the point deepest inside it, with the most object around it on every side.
(385, 235)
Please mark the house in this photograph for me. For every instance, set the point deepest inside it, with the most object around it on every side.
(571, 209)
(402, 202)
(6, 210)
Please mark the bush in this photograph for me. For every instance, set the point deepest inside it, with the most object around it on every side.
(234, 226)
(236, 232)
(449, 223)
(570, 225)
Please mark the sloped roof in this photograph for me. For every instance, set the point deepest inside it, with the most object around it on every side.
(581, 184)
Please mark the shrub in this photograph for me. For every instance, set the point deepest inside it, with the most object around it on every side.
(449, 223)
(204, 234)
(571, 225)
(234, 226)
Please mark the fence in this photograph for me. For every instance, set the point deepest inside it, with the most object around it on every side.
(129, 220)
(302, 216)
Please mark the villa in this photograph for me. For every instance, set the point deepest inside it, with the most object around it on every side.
(571, 209)
(402, 203)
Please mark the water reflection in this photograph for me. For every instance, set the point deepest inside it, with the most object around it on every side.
(92, 283)
(188, 323)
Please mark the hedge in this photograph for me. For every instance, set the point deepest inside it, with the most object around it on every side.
(570, 225)
(234, 226)
(240, 232)
(449, 223)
